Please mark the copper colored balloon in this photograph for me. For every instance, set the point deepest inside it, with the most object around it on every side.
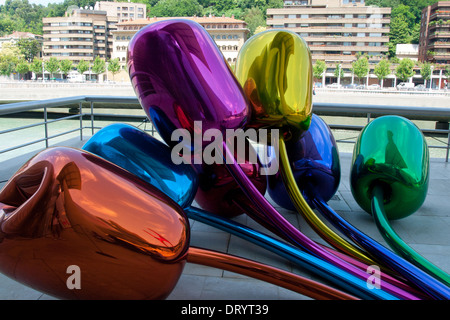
(180, 76)
(67, 208)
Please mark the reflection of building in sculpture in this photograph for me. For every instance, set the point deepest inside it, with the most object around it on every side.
(336, 30)
(228, 33)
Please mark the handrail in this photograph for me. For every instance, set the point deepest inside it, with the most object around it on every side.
(440, 113)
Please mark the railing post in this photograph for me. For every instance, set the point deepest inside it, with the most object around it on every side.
(81, 119)
(92, 117)
(448, 146)
(46, 126)
(368, 117)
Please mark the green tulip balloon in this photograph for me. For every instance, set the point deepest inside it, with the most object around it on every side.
(389, 179)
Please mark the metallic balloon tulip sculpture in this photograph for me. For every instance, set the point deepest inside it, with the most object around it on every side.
(389, 179)
(183, 82)
(150, 159)
(69, 209)
(316, 169)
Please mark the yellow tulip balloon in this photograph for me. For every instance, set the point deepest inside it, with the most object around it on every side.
(280, 101)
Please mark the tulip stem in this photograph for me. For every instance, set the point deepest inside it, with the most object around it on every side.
(396, 243)
(266, 273)
(309, 215)
(403, 267)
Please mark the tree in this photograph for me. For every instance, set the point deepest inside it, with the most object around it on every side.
(52, 66)
(83, 66)
(382, 70)
(36, 66)
(176, 8)
(23, 67)
(399, 33)
(65, 66)
(339, 72)
(114, 66)
(425, 72)
(29, 48)
(99, 65)
(254, 18)
(319, 69)
(360, 67)
(9, 58)
(405, 69)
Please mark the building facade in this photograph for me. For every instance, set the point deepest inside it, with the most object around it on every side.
(336, 31)
(434, 43)
(124, 11)
(82, 34)
(228, 33)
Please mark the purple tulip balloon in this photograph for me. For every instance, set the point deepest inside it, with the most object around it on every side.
(180, 76)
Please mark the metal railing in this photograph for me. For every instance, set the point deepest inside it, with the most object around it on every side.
(87, 118)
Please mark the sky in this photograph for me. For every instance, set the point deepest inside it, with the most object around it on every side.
(43, 2)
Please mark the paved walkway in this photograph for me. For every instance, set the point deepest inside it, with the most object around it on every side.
(427, 231)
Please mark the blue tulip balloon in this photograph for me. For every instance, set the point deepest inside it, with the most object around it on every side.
(315, 164)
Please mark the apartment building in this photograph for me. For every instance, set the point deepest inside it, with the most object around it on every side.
(434, 43)
(82, 34)
(228, 33)
(336, 31)
(124, 11)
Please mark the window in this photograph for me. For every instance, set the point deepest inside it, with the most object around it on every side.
(230, 37)
(224, 37)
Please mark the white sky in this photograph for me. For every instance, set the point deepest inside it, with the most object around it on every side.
(43, 2)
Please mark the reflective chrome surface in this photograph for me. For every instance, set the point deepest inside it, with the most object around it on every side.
(275, 70)
(315, 164)
(391, 152)
(180, 76)
(68, 207)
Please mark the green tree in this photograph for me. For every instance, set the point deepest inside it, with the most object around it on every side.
(382, 70)
(83, 66)
(254, 18)
(22, 68)
(405, 69)
(360, 67)
(29, 48)
(36, 66)
(339, 71)
(399, 33)
(65, 66)
(319, 69)
(176, 8)
(114, 66)
(425, 72)
(9, 58)
(99, 65)
(52, 66)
